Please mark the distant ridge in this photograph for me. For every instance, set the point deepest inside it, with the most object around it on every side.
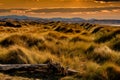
(71, 20)
(17, 17)
(67, 19)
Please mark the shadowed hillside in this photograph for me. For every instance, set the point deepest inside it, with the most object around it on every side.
(91, 49)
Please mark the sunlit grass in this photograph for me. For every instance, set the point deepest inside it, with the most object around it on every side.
(93, 50)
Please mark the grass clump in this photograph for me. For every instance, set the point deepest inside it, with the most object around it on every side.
(15, 56)
(20, 55)
(102, 55)
(107, 36)
(115, 44)
(109, 71)
(91, 72)
(96, 29)
(23, 40)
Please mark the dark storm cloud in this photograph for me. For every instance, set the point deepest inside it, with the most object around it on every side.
(64, 10)
(108, 0)
(60, 10)
(9, 10)
(4, 10)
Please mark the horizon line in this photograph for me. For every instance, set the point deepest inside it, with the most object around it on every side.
(60, 17)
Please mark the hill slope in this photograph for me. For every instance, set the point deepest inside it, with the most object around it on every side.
(91, 49)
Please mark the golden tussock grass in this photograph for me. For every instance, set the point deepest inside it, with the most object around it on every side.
(93, 50)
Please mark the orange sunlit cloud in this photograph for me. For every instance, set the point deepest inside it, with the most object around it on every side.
(54, 3)
(61, 8)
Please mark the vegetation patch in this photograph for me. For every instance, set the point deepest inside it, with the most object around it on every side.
(92, 50)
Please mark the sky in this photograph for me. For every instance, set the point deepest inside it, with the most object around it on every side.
(87, 9)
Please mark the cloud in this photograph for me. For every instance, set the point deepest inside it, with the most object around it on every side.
(1, 3)
(102, 2)
(108, 0)
(105, 11)
(4, 10)
(114, 10)
(60, 10)
(54, 3)
(67, 10)
(18, 11)
(13, 10)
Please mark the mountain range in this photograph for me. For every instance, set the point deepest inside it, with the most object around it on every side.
(70, 20)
